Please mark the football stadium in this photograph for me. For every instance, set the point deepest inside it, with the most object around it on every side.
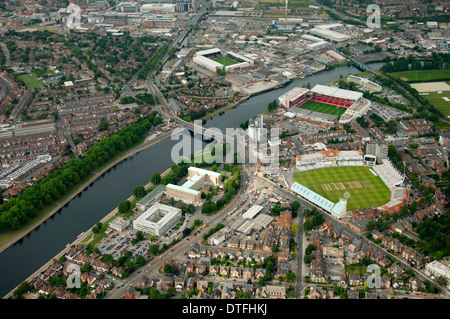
(325, 103)
(214, 59)
(342, 181)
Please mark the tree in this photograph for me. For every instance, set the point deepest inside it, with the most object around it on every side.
(139, 191)
(186, 232)
(156, 179)
(295, 206)
(290, 276)
(23, 288)
(85, 268)
(154, 249)
(124, 206)
(441, 281)
(97, 228)
(170, 269)
(103, 125)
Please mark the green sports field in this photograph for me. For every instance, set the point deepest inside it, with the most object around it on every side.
(30, 80)
(422, 75)
(225, 61)
(366, 190)
(323, 108)
(437, 99)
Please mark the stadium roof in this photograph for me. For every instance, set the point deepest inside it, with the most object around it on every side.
(336, 92)
(312, 196)
(322, 202)
(208, 51)
(293, 94)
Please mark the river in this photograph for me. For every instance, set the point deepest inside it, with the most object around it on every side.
(20, 260)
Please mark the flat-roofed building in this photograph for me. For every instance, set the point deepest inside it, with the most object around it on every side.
(438, 269)
(157, 219)
(197, 177)
(252, 212)
(145, 202)
(365, 83)
(119, 223)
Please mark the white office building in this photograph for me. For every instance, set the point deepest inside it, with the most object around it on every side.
(119, 224)
(158, 219)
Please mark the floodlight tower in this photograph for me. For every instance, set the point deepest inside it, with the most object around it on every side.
(285, 16)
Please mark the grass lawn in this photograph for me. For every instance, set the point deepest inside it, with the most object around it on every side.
(225, 61)
(423, 75)
(323, 108)
(442, 125)
(437, 100)
(30, 80)
(365, 189)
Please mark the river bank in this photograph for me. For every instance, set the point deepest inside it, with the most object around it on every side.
(82, 237)
(115, 185)
(22, 233)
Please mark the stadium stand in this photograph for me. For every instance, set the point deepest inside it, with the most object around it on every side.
(336, 209)
(390, 175)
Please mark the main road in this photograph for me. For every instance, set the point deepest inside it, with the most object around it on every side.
(335, 221)
(181, 247)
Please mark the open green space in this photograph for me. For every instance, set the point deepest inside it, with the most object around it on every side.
(30, 80)
(438, 101)
(323, 108)
(365, 189)
(225, 61)
(422, 75)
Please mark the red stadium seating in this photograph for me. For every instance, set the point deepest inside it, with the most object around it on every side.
(323, 99)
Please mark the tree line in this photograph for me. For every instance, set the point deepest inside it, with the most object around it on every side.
(438, 61)
(20, 209)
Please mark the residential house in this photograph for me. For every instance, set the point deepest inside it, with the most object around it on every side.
(235, 272)
(143, 282)
(179, 285)
(224, 270)
(354, 280)
(318, 292)
(247, 273)
(202, 286)
(167, 282)
(261, 272)
(384, 262)
(352, 294)
(214, 270)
